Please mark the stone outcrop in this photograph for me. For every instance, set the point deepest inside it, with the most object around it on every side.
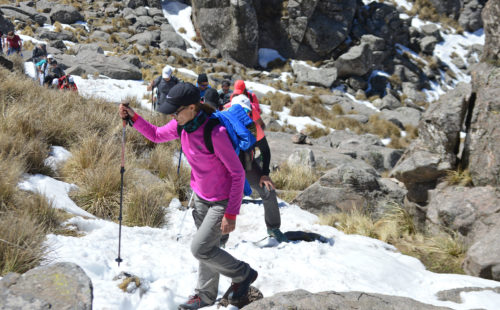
(346, 188)
(63, 286)
(435, 150)
(229, 26)
(482, 150)
(65, 14)
(301, 300)
(491, 22)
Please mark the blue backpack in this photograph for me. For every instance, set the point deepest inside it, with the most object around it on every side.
(241, 131)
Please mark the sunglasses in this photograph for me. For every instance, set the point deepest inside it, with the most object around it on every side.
(176, 113)
(204, 85)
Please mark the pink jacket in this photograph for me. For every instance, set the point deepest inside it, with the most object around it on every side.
(214, 177)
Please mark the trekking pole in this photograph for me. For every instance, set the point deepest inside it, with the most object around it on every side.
(184, 217)
(122, 171)
(153, 108)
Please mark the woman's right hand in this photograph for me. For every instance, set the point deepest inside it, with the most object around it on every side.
(125, 111)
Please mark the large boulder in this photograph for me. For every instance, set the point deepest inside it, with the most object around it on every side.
(491, 22)
(435, 150)
(90, 62)
(5, 24)
(357, 61)
(470, 17)
(229, 26)
(302, 299)
(475, 214)
(449, 8)
(346, 188)
(315, 76)
(23, 13)
(65, 14)
(482, 150)
(63, 286)
(383, 21)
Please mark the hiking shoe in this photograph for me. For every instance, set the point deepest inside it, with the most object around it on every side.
(240, 290)
(277, 234)
(194, 302)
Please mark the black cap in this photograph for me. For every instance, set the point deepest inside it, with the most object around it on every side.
(182, 94)
(212, 98)
(202, 78)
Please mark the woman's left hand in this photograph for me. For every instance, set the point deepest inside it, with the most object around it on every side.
(227, 225)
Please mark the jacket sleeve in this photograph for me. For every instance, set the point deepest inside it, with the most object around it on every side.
(223, 149)
(156, 134)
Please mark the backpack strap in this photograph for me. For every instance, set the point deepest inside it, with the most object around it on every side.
(179, 131)
(207, 133)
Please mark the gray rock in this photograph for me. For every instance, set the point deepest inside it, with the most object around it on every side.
(463, 209)
(483, 257)
(155, 12)
(470, 17)
(427, 44)
(432, 30)
(453, 295)
(100, 36)
(491, 22)
(449, 8)
(110, 66)
(481, 151)
(302, 300)
(24, 13)
(145, 38)
(81, 69)
(302, 157)
(405, 115)
(5, 24)
(348, 187)
(229, 26)
(171, 39)
(94, 47)
(141, 11)
(132, 59)
(65, 14)
(57, 286)
(143, 22)
(315, 76)
(390, 102)
(45, 34)
(357, 61)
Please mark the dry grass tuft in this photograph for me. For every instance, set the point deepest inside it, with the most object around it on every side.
(315, 131)
(147, 206)
(443, 252)
(295, 178)
(21, 243)
(459, 177)
(277, 101)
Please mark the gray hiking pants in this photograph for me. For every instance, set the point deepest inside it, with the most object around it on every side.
(272, 215)
(205, 247)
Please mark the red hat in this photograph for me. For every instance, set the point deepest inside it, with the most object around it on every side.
(239, 87)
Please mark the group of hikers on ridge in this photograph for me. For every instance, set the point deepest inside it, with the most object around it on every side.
(218, 173)
(48, 72)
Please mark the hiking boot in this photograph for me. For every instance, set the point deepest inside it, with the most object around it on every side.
(277, 234)
(194, 302)
(240, 290)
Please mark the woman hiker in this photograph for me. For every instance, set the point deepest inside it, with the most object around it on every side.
(217, 180)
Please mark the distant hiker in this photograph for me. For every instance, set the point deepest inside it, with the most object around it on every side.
(163, 84)
(41, 68)
(1, 42)
(39, 53)
(212, 99)
(14, 43)
(67, 82)
(225, 93)
(202, 83)
(259, 177)
(53, 72)
(216, 179)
